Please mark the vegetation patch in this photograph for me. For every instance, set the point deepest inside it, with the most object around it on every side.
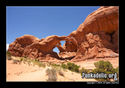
(105, 67)
(101, 67)
(71, 66)
(28, 61)
(83, 70)
(8, 55)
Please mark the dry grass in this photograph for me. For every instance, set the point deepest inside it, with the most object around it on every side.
(52, 75)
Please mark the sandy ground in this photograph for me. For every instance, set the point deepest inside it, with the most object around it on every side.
(89, 64)
(24, 72)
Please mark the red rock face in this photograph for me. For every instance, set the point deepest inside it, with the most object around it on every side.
(17, 47)
(33, 47)
(103, 19)
(104, 22)
(45, 46)
(93, 47)
(97, 36)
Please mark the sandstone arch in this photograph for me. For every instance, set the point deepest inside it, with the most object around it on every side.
(102, 23)
(45, 46)
(70, 45)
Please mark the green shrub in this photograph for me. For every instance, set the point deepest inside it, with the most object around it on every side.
(55, 65)
(37, 62)
(25, 56)
(34, 61)
(116, 70)
(64, 66)
(21, 58)
(40, 64)
(8, 53)
(104, 67)
(83, 70)
(73, 67)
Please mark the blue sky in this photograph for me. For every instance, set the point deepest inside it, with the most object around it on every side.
(43, 21)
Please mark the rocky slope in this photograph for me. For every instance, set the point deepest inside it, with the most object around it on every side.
(96, 37)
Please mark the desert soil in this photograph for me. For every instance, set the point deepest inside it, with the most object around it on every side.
(24, 72)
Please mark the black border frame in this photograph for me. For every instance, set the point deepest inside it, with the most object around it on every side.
(3, 5)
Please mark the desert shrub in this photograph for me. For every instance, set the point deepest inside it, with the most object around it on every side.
(40, 64)
(9, 58)
(55, 65)
(104, 67)
(16, 61)
(25, 56)
(64, 66)
(21, 59)
(24, 59)
(33, 61)
(52, 76)
(117, 70)
(71, 66)
(37, 62)
(83, 70)
(8, 55)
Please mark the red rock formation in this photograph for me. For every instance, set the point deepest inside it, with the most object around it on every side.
(17, 47)
(70, 45)
(104, 22)
(61, 49)
(97, 36)
(32, 47)
(93, 47)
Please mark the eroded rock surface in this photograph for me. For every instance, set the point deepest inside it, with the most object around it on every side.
(93, 47)
(17, 47)
(104, 22)
(33, 47)
(45, 46)
(97, 37)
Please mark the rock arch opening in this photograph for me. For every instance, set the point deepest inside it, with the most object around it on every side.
(62, 42)
(59, 47)
(56, 50)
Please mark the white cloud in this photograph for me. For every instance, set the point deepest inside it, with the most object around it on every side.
(7, 46)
